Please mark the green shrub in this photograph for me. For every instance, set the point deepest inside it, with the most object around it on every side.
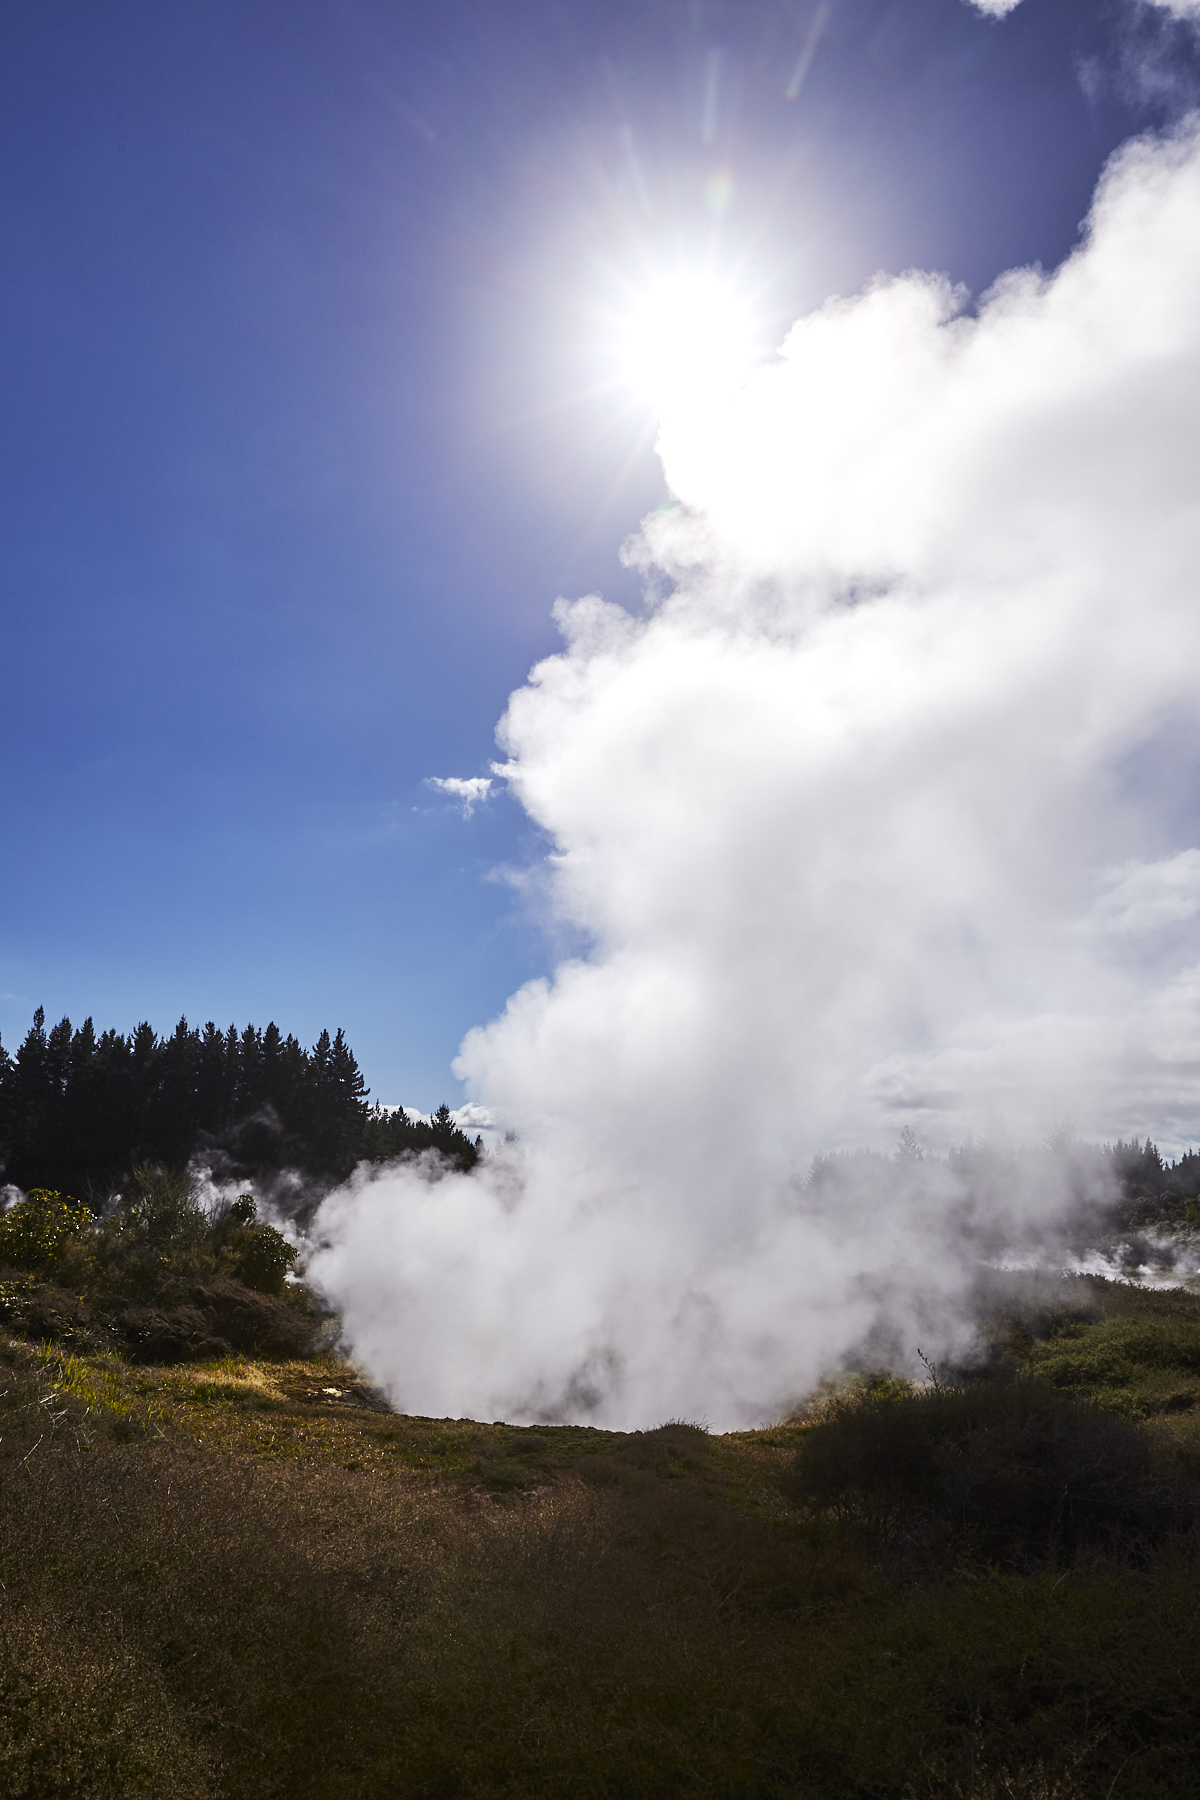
(255, 1254)
(261, 1258)
(157, 1232)
(1116, 1351)
(159, 1210)
(37, 1232)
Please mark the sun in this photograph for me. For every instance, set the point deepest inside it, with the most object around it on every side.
(683, 338)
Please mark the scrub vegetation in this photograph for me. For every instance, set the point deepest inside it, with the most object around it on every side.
(159, 1277)
(243, 1576)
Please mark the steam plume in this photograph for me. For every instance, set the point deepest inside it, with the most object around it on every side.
(877, 817)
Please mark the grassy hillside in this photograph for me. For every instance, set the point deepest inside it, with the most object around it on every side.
(236, 1577)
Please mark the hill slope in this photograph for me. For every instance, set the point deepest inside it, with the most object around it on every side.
(247, 1578)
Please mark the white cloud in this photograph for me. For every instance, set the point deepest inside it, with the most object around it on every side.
(471, 1117)
(1178, 9)
(835, 815)
(472, 790)
(1142, 898)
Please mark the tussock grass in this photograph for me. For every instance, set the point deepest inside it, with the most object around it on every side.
(100, 1389)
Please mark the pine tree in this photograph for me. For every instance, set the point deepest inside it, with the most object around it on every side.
(77, 1111)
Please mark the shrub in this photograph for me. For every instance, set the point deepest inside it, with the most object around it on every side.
(1008, 1470)
(157, 1229)
(255, 1254)
(260, 1257)
(37, 1231)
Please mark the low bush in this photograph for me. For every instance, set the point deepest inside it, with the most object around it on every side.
(208, 1318)
(1010, 1471)
(1135, 1351)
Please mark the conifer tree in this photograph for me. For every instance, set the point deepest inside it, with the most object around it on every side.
(78, 1111)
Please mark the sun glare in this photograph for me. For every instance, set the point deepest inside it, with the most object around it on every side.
(683, 338)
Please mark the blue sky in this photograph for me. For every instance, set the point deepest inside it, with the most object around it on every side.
(304, 308)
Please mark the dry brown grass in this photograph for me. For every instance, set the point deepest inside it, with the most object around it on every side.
(223, 1582)
(303, 1623)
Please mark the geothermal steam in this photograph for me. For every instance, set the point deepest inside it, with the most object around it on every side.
(878, 817)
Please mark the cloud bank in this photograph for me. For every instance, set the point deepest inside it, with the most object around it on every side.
(880, 816)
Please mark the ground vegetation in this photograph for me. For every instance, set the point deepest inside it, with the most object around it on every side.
(244, 1576)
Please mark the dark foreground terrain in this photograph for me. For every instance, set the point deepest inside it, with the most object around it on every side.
(240, 1577)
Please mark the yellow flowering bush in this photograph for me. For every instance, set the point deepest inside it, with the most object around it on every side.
(37, 1231)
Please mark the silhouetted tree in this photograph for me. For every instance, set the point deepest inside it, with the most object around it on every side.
(77, 1111)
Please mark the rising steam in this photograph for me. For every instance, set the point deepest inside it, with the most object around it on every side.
(877, 818)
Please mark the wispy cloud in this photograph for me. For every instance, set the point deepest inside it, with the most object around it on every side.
(470, 791)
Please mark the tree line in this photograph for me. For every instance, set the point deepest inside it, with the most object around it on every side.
(79, 1108)
(1153, 1191)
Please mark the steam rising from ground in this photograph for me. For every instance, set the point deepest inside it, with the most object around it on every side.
(877, 818)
